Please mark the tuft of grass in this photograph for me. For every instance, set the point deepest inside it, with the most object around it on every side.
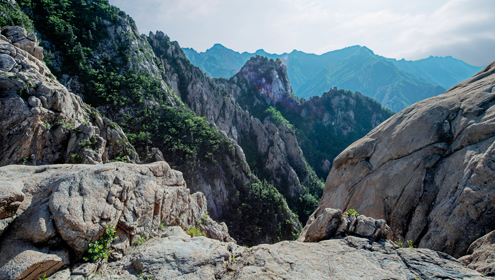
(409, 244)
(194, 231)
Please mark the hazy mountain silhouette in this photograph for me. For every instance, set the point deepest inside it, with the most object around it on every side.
(394, 83)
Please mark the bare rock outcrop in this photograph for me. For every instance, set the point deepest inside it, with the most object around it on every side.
(178, 256)
(428, 171)
(43, 123)
(481, 255)
(331, 223)
(66, 207)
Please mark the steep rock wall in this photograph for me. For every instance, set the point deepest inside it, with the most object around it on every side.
(428, 170)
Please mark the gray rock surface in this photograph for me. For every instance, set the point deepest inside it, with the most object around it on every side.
(84, 269)
(42, 123)
(428, 171)
(331, 223)
(68, 206)
(481, 255)
(6, 62)
(23, 260)
(183, 257)
(27, 42)
(61, 275)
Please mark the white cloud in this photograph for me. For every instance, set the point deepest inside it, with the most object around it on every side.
(411, 30)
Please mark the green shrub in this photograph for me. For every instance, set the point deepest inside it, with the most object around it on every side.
(98, 250)
(195, 231)
(352, 212)
(276, 117)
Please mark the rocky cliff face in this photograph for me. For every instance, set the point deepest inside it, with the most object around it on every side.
(428, 170)
(104, 60)
(41, 121)
(324, 125)
(50, 214)
(272, 150)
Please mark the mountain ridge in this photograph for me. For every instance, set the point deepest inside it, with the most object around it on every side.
(312, 74)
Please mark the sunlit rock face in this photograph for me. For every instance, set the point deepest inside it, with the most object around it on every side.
(428, 170)
(55, 211)
(41, 121)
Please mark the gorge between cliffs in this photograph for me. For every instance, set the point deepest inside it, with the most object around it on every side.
(119, 159)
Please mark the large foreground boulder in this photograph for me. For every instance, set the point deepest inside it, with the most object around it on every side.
(178, 256)
(429, 170)
(63, 208)
(331, 223)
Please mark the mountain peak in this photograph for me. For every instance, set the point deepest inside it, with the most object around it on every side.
(269, 77)
(217, 47)
(366, 49)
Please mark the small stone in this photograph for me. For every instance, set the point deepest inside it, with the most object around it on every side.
(35, 111)
(61, 275)
(34, 102)
(32, 37)
(84, 269)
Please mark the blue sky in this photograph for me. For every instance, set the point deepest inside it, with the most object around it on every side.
(464, 29)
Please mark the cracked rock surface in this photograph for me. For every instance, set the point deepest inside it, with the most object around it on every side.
(429, 171)
(178, 256)
(66, 207)
(481, 255)
(41, 122)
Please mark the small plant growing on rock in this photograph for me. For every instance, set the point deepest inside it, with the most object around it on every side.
(140, 275)
(140, 240)
(26, 159)
(352, 212)
(66, 124)
(98, 250)
(409, 244)
(194, 231)
(76, 157)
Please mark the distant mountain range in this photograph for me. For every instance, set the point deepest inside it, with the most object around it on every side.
(394, 83)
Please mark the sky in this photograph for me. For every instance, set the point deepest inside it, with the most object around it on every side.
(464, 29)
